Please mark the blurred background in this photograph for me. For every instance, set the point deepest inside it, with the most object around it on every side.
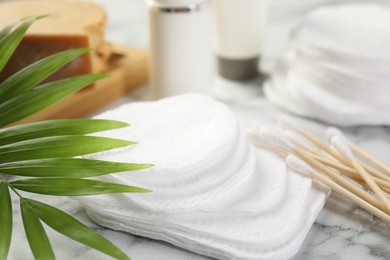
(131, 28)
(128, 22)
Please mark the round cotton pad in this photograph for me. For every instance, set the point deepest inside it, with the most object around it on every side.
(356, 30)
(299, 94)
(183, 136)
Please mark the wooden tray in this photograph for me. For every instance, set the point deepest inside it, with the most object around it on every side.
(128, 71)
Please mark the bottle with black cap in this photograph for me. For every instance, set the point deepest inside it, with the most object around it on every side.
(239, 33)
(181, 58)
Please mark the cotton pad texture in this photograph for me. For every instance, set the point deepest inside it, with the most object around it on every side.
(212, 192)
(337, 69)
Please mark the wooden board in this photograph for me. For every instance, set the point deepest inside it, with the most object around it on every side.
(128, 70)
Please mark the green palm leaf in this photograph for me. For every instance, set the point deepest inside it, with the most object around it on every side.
(71, 187)
(44, 150)
(36, 235)
(35, 100)
(30, 76)
(59, 146)
(68, 167)
(5, 220)
(6, 30)
(55, 128)
(10, 42)
(74, 229)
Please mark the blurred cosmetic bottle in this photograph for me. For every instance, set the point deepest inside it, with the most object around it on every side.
(181, 58)
(239, 33)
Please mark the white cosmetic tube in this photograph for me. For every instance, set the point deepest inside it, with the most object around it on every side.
(239, 33)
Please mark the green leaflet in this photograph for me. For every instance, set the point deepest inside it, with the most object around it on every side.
(36, 100)
(58, 146)
(55, 128)
(9, 42)
(36, 235)
(74, 229)
(33, 74)
(6, 30)
(29, 150)
(5, 219)
(71, 186)
(67, 167)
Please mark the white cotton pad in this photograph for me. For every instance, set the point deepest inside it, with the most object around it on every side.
(194, 141)
(345, 82)
(247, 205)
(297, 93)
(354, 30)
(337, 68)
(275, 234)
(232, 194)
(172, 133)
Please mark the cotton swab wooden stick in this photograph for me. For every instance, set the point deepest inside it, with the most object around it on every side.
(290, 124)
(303, 143)
(299, 166)
(343, 148)
(298, 140)
(348, 171)
(332, 131)
(276, 139)
(370, 158)
(340, 180)
(256, 132)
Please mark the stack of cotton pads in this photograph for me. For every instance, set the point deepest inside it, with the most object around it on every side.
(213, 193)
(338, 68)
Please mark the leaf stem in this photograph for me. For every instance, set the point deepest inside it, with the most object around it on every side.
(14, 190)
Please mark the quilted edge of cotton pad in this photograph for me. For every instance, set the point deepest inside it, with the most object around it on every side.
(302, 187)
(220, 170)
(316, 200)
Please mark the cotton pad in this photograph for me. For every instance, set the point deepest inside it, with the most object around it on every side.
(240, 203)
(313, 100)
(335, 72)
(359, 31)
(194, 147)
(266, 235)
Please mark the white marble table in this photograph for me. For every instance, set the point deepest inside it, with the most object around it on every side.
(341, 231)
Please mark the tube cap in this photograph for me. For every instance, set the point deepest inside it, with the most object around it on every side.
(238, 69)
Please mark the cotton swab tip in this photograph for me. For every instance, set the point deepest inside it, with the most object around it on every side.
(342, 147)
(333, 131)
(298, 165)
(275, 137)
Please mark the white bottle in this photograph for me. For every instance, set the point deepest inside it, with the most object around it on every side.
(180, 46)
(239, 33)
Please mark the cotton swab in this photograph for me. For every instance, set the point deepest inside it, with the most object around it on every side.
(340, 180)
(347, 170)
(271, 138)
(275, 138)
(309, 149)
(332, 131)
(342, 147)
(288, 123)
(298, 165)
